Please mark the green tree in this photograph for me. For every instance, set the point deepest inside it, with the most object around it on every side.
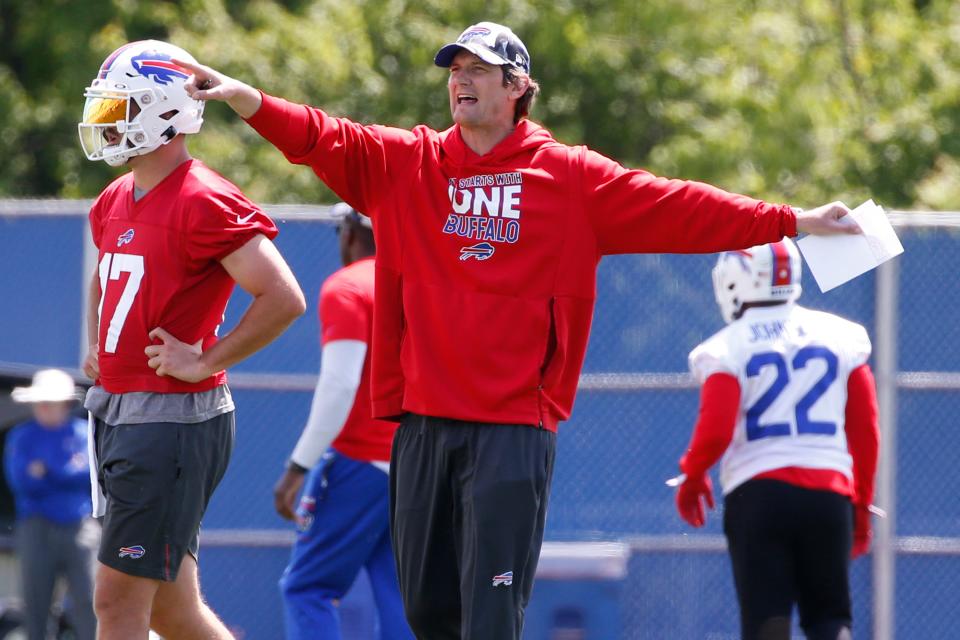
(802, 102)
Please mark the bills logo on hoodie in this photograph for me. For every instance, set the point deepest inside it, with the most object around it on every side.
(486, 208)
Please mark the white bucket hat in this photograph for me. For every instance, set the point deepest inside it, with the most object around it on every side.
(49, 385)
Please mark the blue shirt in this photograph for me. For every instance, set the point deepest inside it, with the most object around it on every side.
(62, 493)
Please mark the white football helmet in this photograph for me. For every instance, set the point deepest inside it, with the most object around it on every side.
(137, 103)
(765, 273)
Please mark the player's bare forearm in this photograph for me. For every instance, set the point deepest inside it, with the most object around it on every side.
(266, 318)
(260, 270)
(277, 301)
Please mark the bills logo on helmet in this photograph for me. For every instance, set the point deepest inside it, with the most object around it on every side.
(134, 553)
(481, 251)
(158, 67)
(125, 238)
(105, 67)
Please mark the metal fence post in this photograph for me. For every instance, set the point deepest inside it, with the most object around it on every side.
(884, 547)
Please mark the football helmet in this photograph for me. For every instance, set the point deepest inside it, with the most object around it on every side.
(765, 273)
(137, 103)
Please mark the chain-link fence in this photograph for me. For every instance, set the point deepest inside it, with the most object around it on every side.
(632, 419)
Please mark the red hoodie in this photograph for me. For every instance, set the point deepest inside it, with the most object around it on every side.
(486, 265)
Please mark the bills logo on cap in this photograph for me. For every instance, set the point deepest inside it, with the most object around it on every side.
(473, 32)
(158, 67)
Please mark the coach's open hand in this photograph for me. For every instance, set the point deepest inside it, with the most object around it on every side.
(826, 219)
(176, 359)
(209, 84)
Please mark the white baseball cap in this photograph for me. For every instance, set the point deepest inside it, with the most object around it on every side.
(48, 385)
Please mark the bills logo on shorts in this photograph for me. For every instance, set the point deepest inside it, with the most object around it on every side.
(505, 579)
(125, 238)
(481, 251)
(158, 67)
(134, 553)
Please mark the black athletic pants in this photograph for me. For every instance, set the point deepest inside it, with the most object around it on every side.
(467, 507)
(790, 545)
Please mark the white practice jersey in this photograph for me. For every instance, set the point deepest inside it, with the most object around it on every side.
(792, 365)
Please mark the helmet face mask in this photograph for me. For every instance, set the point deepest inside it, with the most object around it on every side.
(767, 273)
(137, 103)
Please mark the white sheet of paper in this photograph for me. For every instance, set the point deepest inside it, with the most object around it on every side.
(836, 259)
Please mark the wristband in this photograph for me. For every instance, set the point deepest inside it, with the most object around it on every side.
(296, 468)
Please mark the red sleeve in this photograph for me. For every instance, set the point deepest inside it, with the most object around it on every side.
(634, 211)
(719, 405)
(344, 314)
(96, 227)
(222, 221)
(353, 160)
(863, 432)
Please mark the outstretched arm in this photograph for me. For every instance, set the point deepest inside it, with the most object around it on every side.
(632, 211)
(360, 163)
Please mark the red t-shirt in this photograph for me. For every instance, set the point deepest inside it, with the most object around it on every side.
(346, 313)
(159, 266)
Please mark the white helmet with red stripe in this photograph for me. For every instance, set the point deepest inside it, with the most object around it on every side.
(765, 273)
(138, 102)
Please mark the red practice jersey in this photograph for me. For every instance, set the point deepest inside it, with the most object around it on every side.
(160, 266)
(346, 313)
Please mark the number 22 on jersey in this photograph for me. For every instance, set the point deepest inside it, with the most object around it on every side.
(112, 265)
(757, 429)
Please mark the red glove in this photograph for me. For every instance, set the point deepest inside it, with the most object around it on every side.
(861, 531)
(689, 496)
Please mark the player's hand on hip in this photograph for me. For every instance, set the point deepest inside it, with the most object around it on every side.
(285, 493)
(175, 358)
(91, 364)
(826, 220)
(206, 83)
(692, 496)
(861, 531)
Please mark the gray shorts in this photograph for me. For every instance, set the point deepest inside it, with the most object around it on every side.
(157, 479)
